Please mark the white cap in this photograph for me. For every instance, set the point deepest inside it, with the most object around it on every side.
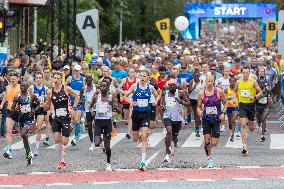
(273, 54)
(66, 67)
(260, 53)
(196, 50)
(269, 58)
(101, 54)
(243, 54)
(77, 67)
(100, 60)
(142, 68)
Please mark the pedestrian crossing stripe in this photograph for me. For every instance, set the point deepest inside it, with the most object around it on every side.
(69, 143)
(276, 141)
(193, 141)
(20, 144)
(154, 139)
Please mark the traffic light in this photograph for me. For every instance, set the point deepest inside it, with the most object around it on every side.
(2, 25)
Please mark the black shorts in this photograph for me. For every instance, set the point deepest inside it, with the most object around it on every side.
(259, 108)
(40, 111)
(126, 106)
(193, 102)
(153, 111)
(13, 115)
(62, 125)
(103, 126)
(89, 117)
(211, 127)
(118, 98)
(140, 119)
(247, 111)
(176, 125)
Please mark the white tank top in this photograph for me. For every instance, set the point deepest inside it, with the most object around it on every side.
(194, 94)
(103, 109)
(173, 108)
(89, 98)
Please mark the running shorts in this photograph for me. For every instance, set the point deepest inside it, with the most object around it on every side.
(14, 115)
(62, 125)
(89, 117)
(247, 111)
(211, 127)
(40, 111)
(140, 119)
(232, 109)
(103, 126)
(153, 111)
(176, 125)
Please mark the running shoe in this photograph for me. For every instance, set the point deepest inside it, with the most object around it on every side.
(15, 132)
(210, 164)
(222, 128)
(128, 136)
(197, 134)
(232, 138)
(30, 157)
(245, 150)
(92, 147)
(45, 143)
(238, 134)
(176, 143)
(36, 151)
(8, 154)
(141, 166)
(201, 129)
(167, 159)
(108, 168)
(74, 142)
(164, 130)
(262, 139)
(61, 165)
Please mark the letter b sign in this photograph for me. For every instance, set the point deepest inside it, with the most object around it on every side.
(271, 26)
(163, 26)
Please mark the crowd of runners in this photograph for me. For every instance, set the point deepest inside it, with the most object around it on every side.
(223, 79)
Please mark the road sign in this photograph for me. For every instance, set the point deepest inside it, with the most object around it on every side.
(88, 24)
(164, 29)
(271, 30)
(281, 33)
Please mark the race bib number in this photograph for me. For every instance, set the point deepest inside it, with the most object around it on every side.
(89, 97)
(142, 103)
(103, 108)
(231, 98)
(40, 98)
(263, 100)
(61, 112)
(171, 102)
(211, 110)
(245, 93)
(25, 109)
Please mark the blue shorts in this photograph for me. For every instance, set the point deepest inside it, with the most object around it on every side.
(232, 109)
(79, 107)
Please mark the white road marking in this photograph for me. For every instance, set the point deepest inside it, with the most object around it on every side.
(200, 180)
(193, 141)
(116, 139)
(154, 181)
(113, 182)
(125, 170)
(4, 175)
(155, 139)
(152, 157)
(59, 184)
(20, 144)
(86, 171)
(41, 173)
(249, 167)
(235, 144)
(69, 143)
(11, 186)
(276, 141)
(248, 179)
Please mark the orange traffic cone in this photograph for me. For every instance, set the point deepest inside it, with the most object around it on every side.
(113, 132)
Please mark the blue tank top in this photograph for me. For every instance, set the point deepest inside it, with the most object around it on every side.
(40, 93)
(76, 85)
(212, 107)
(142, 97)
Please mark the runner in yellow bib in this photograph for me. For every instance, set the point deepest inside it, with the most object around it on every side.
(248, 91)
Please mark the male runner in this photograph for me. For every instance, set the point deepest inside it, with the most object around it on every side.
(58, 96)
(76, 82)
(12, 91)
(25, 105)
(248, 92)
(172, 102)
(209, 108)
(141, 111)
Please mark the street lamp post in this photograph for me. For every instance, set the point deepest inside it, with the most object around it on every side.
(120, 25)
